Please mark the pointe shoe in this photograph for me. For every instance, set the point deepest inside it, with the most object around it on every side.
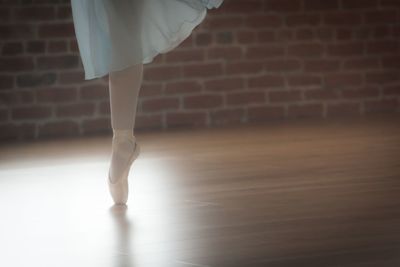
(119, 189)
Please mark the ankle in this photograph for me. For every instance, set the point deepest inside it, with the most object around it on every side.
(123, 133)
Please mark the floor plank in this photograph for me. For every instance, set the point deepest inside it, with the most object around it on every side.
(295, 193)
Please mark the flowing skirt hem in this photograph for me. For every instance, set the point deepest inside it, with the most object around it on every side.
(184, 31)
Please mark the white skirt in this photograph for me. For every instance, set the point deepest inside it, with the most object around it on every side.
(115, 34)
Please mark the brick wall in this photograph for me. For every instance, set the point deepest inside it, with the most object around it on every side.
(249, 61)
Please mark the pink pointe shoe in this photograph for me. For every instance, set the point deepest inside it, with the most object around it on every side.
(119, 189)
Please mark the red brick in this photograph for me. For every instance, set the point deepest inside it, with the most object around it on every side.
(30, 113)
(246, 36)
(185, 55)
(8, 98)
(6, 82)
(383, 47)
(263, 21)
(343, 79)
(95, 91)
(321, 65)
(284, 96)
(285, 36)
(392, 90)
(325, 33)
(182, 87)
(224, 37)
(56, 95)
(362, 92)
(160, 104)
(100, 125)
(353, 4)
(186, 119)
(10, 49)
(346, 49)
(17, 31)
(14, 97)
(36, 47)
(361, 63)
(104, 107)
(382, 31)
(362, 33)
(202, 101)
(202, 70)
(75, 110)
(64, 12)
(304, 34)
(265, 113)
(343, 109)
(34, 13)
(16, 64)
(321, 94)
(218, 23)
(303, 80)
(244, 67)
(224, 84)
(226, 116)
(266, 81)
(4, 114)
(265, 51)
(285, 65)
(343, 18)
(390, 3)
(313, 5)
(32, 79)
(71, 77)
(25, 96)
(305, 50)
(282, 6)
(149, 121)
(305, 111)
(57, 62)
(73, 46)
(5, 14)
(382, 77)
(344, 34)
(56, 30)
(187, 43)
(162, 73)
(381, 17)
(266, 36)
(244, 98)
(58, 129)
(227, 53)
(302, 19)
(57, 46)
(243, 7)
(21, 131)
(381, 105)
(302, 52)
(203, 39)
(150, 90)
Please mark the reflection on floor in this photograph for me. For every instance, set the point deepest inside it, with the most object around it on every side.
(281, 194)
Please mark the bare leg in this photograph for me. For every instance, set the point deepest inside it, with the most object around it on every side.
(124, 87)
(124, 91)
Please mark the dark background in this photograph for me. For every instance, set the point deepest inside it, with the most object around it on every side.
(249, 61)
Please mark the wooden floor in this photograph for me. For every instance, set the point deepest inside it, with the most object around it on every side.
(305, 193)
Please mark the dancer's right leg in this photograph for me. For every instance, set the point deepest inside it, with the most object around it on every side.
(124, 87)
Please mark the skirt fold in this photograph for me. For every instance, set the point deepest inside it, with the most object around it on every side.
(115, 34)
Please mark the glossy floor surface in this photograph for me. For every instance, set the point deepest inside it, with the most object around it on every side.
(280, 194)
